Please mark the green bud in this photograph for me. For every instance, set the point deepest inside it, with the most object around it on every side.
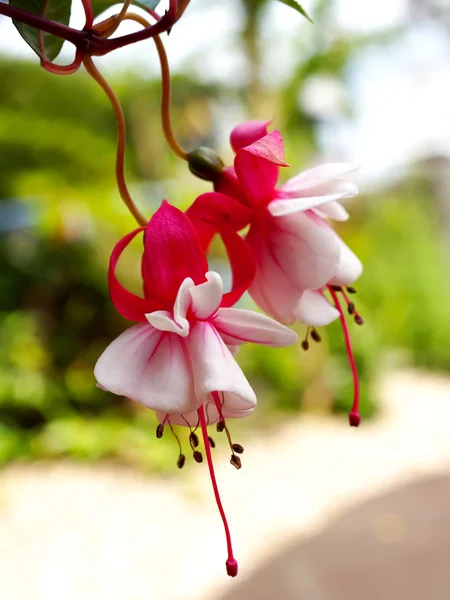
(205, 163)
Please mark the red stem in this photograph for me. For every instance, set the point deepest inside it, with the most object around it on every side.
(86, 40)
(63, 31)
(89, 13)
(231, 564)
(354, 416)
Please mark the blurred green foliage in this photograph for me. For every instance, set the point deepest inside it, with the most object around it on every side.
(57, 151)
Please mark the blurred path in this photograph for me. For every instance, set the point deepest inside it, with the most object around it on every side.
(96, 533)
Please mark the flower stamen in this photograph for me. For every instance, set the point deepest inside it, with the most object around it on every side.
(181, 457)
(231, 563)
(222, 426)
(354, 416)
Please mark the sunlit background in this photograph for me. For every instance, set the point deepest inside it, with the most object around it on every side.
(91, 504)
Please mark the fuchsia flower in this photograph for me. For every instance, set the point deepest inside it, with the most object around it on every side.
(298, 256)
(177, 360)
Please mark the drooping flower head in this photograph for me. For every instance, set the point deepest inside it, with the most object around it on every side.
(177, 360)
(299, 257)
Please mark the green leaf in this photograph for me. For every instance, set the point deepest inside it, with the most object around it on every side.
(55, 10)
(148, 3)
(99, 6)
(296, 6)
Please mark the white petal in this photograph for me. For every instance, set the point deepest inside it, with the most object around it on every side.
(349, 269)
(164, 321)
(332, 210)
(315, 310)
(290, 206)
(206, 297)
(150, 367)
(316, 176)
(183, 301)
(212, 415)
(176, 322)
(215, 369)
(237, 326)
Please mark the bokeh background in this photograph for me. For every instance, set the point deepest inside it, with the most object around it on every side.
(90, 503)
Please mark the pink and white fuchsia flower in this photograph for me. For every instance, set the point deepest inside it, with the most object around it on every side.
(299, 257)
(177, 360)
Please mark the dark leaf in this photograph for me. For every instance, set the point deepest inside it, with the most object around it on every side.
(55, 10)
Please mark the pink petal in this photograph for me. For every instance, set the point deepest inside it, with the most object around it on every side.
(215, 369)
(307, 249)
(292, 254)
(206, 297)
(315, 310)
(129, 305)
(315, 177)
(272, 288)
(237, 326)
(246, 133)
(172, 253)
(349, 269)
(332, 210)
(257, 168)
(242, 265)
(150, 367)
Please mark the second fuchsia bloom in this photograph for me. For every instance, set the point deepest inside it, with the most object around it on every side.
(177, 361)
(298, 256)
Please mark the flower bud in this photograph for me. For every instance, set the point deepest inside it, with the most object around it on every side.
(205, 163)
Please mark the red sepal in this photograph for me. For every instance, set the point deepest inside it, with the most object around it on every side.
(243, 266)
(172, 252)
(129, 305)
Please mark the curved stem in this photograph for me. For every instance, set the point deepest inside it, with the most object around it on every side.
(88, 13)
(165, 90)
(121, 137)
(49, 65)
(63, 69)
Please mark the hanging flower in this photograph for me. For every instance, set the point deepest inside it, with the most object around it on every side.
(177, 360)
(298, 256)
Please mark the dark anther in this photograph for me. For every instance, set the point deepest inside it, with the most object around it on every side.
(315, 336)
(236, 461)
(351, 308)
(305, 344)
(181, 460)
(237, 448)
(212, 443)
(198, 456)
(351, 290)
(159, 431)
(359, 320)
(220, 426)
(336, 288)
(193, 439)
